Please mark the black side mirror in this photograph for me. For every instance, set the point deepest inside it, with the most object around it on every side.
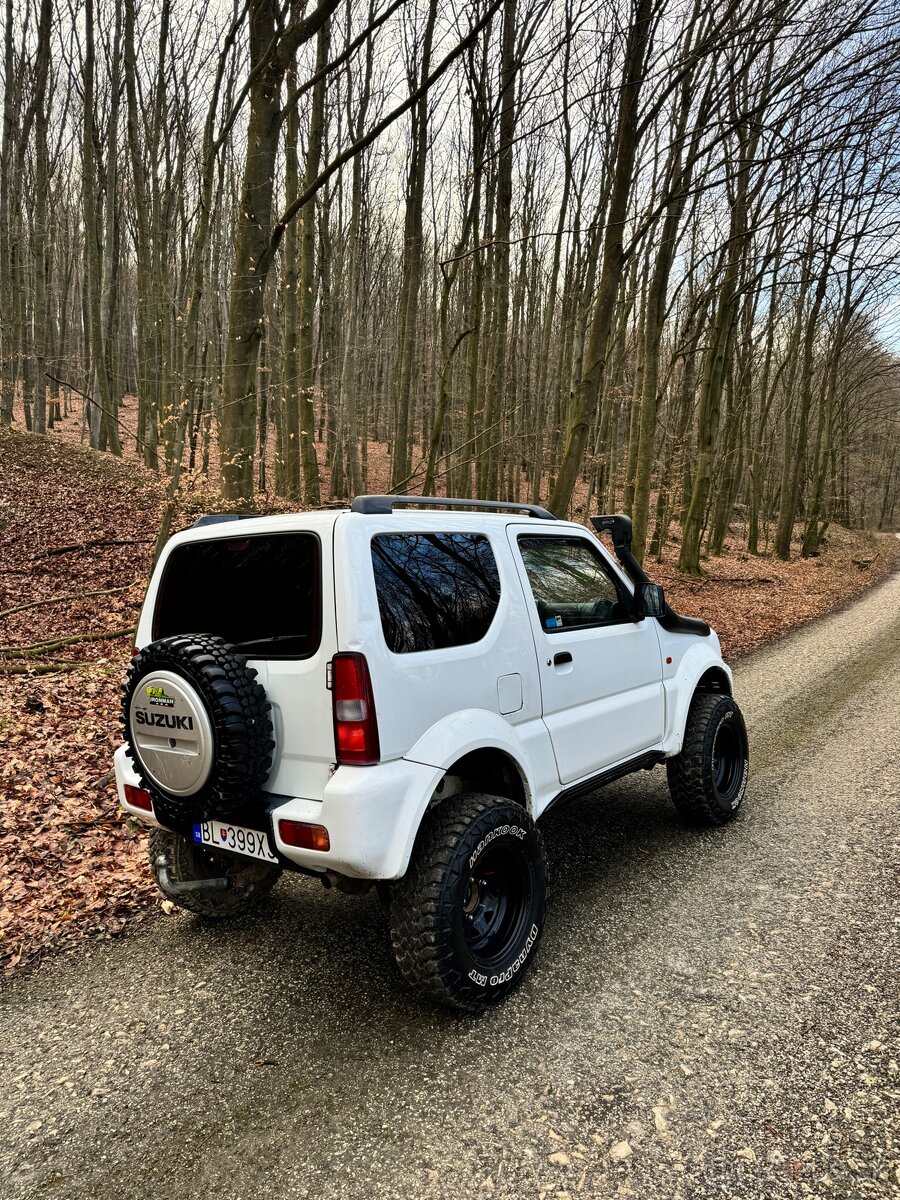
(652, 600)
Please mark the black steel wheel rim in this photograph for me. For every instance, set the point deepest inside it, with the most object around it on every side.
(727, 760)
(495, 901)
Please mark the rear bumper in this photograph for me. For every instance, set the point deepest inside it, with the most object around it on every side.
(372, 815)
(125, 773)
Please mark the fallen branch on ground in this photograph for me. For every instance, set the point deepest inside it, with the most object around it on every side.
(7, 612)
(33, 668)
(738, 582)
(90, 545)
(57, 643)
(109, 816)
(735, 580)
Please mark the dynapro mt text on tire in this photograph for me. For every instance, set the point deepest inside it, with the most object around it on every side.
(467, 918)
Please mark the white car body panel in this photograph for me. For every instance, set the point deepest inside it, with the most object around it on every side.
(607, 703)
(126, 775)
(690, 662)
(444, 681)
(372, 815)
(296, 688)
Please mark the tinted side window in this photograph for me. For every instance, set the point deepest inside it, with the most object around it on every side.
(434, 589)
(261, 592)
(570, 584)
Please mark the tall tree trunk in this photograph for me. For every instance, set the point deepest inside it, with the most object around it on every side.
(99, 292)
(718, 354)
(10, 182)
(349, 389)
(41, 249)
(237, 435)
(412, 262)
(109, 424)
(312, 490)
(795, 455)
(590, 385)
(678, 184)
(489, 458)
(290, 442)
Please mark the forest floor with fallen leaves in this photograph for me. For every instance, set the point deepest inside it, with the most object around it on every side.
(76, 533)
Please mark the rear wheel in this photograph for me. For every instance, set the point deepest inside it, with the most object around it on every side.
(467, 917)
(708, 779)
(204, 882)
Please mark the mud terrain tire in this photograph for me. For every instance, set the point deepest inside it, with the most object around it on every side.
(467, 917)
(233, 747)
(708, 779)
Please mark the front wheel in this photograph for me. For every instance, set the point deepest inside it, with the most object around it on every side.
(708, 779)
(204, 882)
(467, 917)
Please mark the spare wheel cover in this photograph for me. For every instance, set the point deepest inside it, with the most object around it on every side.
(171, 733)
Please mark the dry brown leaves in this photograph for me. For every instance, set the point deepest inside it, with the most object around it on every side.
(751, 600)
(70, 867)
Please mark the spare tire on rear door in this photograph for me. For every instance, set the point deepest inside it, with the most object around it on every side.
(198, 728)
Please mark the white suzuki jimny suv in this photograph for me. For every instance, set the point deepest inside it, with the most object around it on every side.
(393, 695)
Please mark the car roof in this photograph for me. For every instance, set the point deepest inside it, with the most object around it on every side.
(403, 520)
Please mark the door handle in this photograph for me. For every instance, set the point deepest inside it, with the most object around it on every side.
(562, 657)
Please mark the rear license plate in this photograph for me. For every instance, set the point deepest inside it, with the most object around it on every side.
(219, 835)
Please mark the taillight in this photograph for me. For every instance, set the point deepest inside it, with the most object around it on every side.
(138, 798)
(304, 835)
(355, 723)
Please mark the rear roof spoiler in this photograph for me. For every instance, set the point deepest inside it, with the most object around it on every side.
(220, 518)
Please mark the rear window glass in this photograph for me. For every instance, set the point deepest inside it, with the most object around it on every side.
(435, 590)
(261, 593)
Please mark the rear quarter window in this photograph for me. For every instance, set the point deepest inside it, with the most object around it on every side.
(261, 593)
(435, 590)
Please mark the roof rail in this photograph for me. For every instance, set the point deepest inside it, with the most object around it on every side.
(384, 505)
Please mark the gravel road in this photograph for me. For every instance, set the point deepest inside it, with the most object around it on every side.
(712, 1013)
